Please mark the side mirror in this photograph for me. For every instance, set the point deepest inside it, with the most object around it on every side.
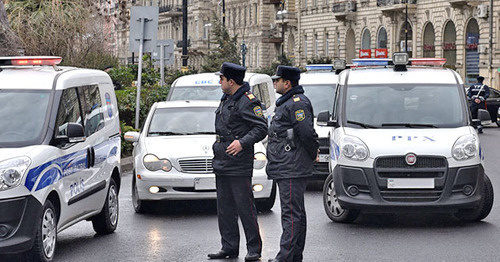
(131, 136)
(324, 119)
(73, 133)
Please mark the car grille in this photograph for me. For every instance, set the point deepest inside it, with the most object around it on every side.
(199, 165)
(425, 167)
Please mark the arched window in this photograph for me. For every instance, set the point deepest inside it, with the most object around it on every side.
(366, 39)
(402, 39)
(382, 38)
(429, 39)
(449, 44)
(471, 52)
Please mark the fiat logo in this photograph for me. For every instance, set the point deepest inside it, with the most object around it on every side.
(205, 148)
(411, 159)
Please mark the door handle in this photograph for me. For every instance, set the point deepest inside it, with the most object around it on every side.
(90, 157)
(92, 151)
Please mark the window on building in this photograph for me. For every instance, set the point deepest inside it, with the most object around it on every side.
(402, 39)
(366, 39)
(429, 41)
(327, 45)
(305, 46)
(382, 38)
(316, 45)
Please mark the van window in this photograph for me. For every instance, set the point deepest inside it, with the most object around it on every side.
(93, 113)
(195, 93)
(321, 96)
(68, 112)
(261, 91)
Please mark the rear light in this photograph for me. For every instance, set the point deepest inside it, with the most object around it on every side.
(30, 60)
(428, 61)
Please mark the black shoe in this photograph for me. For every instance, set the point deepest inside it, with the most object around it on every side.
(222, 255)
(252, 256)
(480, 130)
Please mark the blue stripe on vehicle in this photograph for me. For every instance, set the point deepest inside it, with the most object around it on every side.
(49, 178)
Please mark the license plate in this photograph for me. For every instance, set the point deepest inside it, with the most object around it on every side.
(324, 158)
(410, 183)
(204, 183)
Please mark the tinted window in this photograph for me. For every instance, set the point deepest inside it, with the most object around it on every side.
(494, 93)
(22, 114)
(68, 112)
(261, 91)
(185, 121)
(196, 93)
(321, 96)
(439, 105)
(92, 108)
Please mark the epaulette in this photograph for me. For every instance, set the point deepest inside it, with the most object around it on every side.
(296, 98)
(250, 95)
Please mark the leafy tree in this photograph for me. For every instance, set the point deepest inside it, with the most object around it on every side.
(9, 42)
(227, 48)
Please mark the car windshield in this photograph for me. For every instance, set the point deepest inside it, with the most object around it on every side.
(182, 121)
(321, 96)
(393, 106)
(22, 114)
(185, 93)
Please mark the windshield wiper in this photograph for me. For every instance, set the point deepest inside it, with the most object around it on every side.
(410, 125)
(201, 133)
(364, 125)
(166, 133)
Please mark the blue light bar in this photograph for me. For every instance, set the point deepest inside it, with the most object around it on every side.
(371, 62)
(324, 67)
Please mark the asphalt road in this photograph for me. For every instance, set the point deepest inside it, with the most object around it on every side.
(187, 231)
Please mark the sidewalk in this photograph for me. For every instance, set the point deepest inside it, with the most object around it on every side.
(127, 164)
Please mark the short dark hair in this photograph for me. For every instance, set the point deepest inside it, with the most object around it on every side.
(294, 82)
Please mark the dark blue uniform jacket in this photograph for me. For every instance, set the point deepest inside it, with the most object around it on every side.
(239, 117)
(293, 111)
(480, 91)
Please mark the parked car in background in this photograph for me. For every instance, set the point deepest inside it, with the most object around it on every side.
(173, 157)
(493, 106)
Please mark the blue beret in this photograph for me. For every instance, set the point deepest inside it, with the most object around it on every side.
(232, 71)
(287, 73)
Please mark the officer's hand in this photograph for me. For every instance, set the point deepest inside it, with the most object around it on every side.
(477, 100)
(234, 148)
(317, 158)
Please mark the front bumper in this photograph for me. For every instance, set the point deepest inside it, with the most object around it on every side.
(373, 194)
(190, 186)
(18, 220)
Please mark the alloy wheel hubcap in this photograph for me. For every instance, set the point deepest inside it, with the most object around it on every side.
(333, 203)
(113, 205)
(49, 232)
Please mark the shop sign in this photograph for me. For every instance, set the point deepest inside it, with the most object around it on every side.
(365, 53)
(449, 46)
(381, 53)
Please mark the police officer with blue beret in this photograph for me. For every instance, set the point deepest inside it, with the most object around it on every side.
(239, 124)
(292, 150)
(477, 94)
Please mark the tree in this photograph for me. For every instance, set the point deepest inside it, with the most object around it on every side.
(227, 49)
(73, 29)
(9, 42)
(270, 70)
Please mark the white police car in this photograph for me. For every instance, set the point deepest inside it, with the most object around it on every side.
(59, 153)
(206, 86)
(401, 140)
(173, 157)
(320, 85)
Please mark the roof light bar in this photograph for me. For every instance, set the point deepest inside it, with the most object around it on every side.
(428, 61)
(30, 60)
(320, 67)
(371, 62)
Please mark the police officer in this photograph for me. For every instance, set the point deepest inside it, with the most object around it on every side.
(292, 150)
(239, 124)
(478, 93)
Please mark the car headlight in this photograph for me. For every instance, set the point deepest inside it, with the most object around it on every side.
(259, 160)
(353, 148)
(153, 163)
(12, 172)
(466, 147)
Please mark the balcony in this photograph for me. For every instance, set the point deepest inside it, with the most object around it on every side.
(388, 7)
(344, 10)
(289, 18)
(463, 3)
(170, 10)
(271, 2)
(271, 36)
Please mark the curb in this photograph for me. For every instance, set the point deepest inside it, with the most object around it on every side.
(127, 164)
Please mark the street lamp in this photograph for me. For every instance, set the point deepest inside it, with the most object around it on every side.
(282, 14)
(243, 52)
(208, 26)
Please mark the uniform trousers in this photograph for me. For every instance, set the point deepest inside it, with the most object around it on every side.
(293, 219)
(235, 199)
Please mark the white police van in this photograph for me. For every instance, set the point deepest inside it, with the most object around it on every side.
(59, 153)
(206, 86)
(320, 85)
(401, 140)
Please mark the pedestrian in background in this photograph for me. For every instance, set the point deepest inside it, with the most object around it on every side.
(292, 150)
(239, 124)
(478, 93)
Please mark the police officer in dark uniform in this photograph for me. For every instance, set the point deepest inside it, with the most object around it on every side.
(292, 150)
(239, 124)
(477, 94)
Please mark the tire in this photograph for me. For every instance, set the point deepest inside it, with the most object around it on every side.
(498, 123)
(481, 212)
(332, 207)
(265, 205)
(140, 206)
(46, 235)
(106, 221)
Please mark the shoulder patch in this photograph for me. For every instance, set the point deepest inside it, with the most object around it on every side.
(296, 99)
(250, 96)
(258, 111)
(300, 115)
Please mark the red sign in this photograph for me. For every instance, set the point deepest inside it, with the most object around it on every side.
(365, 53)
(381, 53)
(428, 47)
(449, 46)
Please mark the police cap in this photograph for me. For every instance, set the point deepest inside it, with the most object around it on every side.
(287, 72)
(480, 79)
(232, 71)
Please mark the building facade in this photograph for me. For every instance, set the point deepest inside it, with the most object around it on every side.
(458, 30)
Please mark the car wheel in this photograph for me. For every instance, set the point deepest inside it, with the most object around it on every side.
(140, 206)
(265, 205)
(46, 235)
(498, 123)
(484, 208)
(332, 207)
(106, 221)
